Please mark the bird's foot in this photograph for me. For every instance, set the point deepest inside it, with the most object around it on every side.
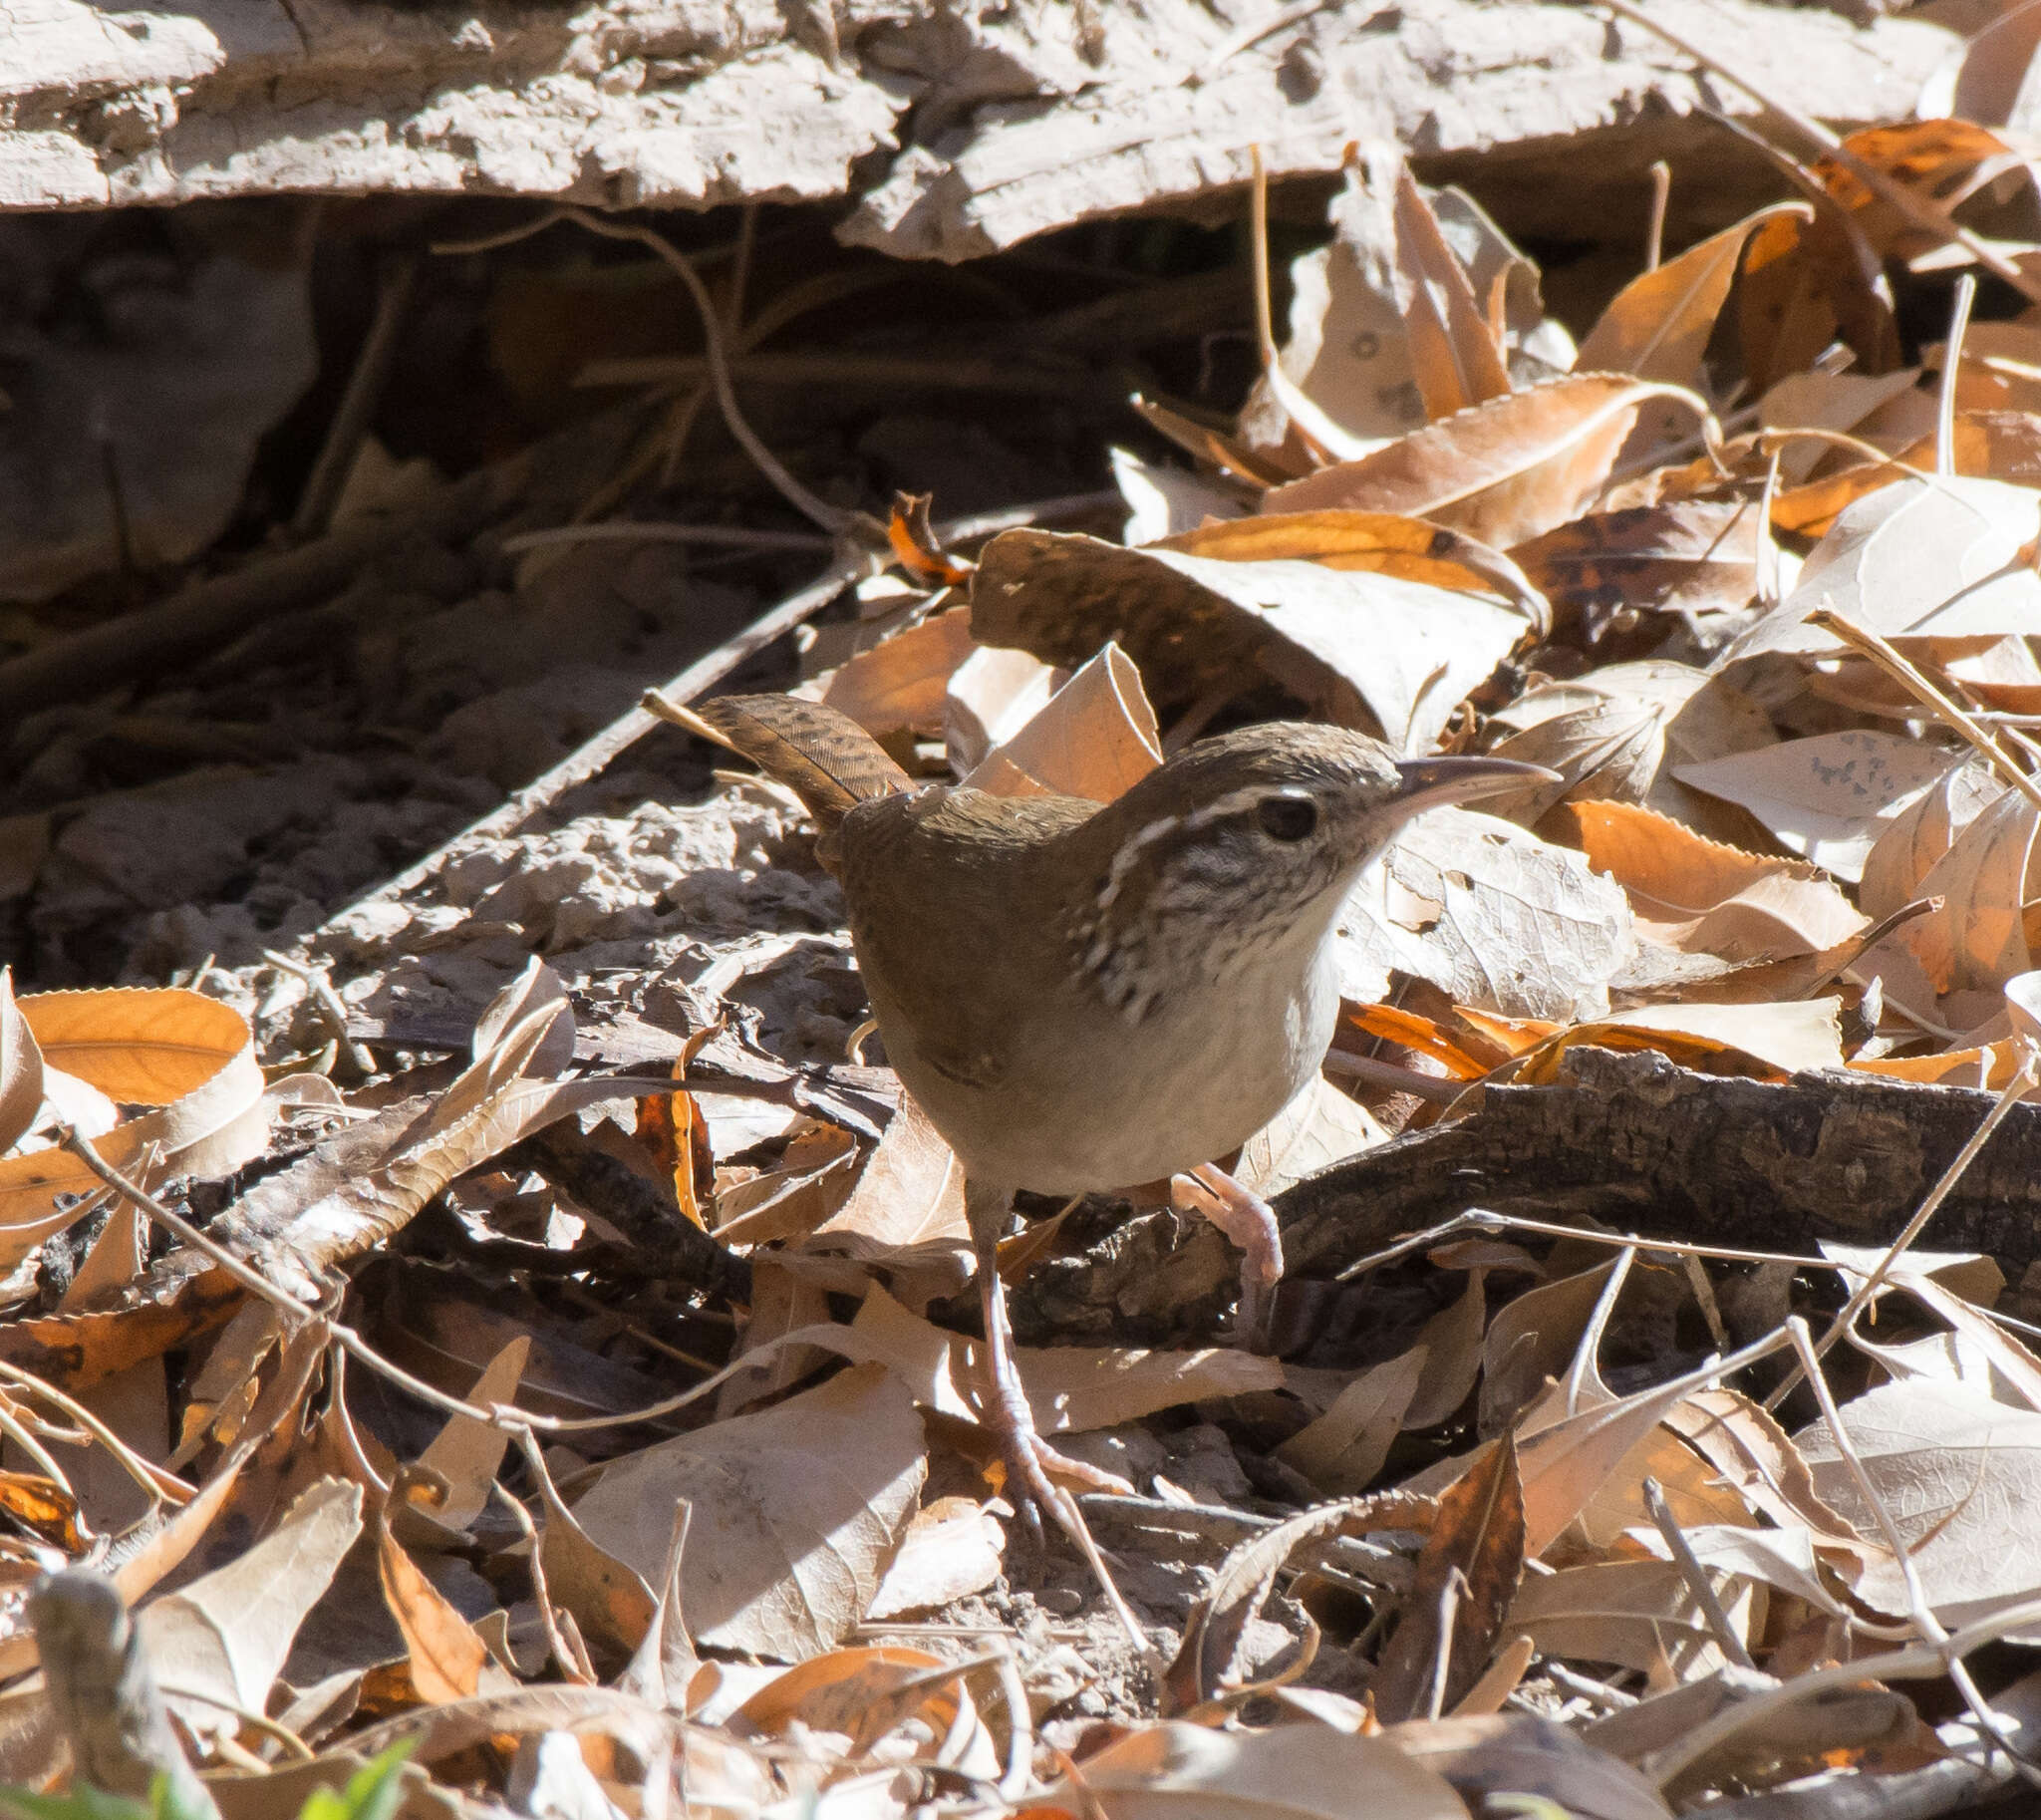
(1034, 1467)
(1250, 1223)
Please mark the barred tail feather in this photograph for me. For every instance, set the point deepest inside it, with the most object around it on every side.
(820, 753)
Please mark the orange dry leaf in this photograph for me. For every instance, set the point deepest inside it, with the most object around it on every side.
(446, 1657)
(1806, 282)
(1770, 1041)
(914, 543)
(1658, 325)
(1946, 160)
(1456, 354)
(1994, 445)
(1503, 471)
(79, 1056)
(1412, 1030)
(670, 1126)
(1702, 897)
(1989, 1067)
(863, 1693)
(898, 685)
(1390, 542)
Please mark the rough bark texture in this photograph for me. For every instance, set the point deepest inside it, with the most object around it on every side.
(1723, 1161)
(952, 129)
(1634, 1142)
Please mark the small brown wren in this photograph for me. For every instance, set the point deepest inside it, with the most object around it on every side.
(1086, 997)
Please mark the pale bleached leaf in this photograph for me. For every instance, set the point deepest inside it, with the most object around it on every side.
(797, 1511)
(1492, 915)
(1919, 557)
(1828, 798)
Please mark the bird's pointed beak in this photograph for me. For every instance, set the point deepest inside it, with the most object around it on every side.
(1430, 783)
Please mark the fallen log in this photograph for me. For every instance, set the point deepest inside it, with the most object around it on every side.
(1631, 1141)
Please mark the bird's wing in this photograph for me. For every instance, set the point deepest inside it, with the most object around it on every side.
(937, 887)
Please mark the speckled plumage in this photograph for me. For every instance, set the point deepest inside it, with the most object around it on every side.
(1088, 998)
(1084, 997)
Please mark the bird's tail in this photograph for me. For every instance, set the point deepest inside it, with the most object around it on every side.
(820, 753)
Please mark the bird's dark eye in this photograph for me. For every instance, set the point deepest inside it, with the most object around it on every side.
(1289, 817)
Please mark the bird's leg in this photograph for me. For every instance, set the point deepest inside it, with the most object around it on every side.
(1029, 1458)
(1007, 1414)
(1249, 1222)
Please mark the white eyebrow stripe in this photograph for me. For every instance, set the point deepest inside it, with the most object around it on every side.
(1218, 809)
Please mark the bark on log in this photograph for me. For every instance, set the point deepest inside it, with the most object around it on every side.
(1634, 1142)
(954, 130)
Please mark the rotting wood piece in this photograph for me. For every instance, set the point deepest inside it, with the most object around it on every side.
(954, 131)
(1715, 1160)
(1629, 1141)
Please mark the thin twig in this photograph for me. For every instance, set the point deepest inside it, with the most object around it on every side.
(1324, 439)
(506, 1416)
(116, 504)
(741, 270)
(357, 405)
(1919, 1661)
(1482, 1219)
(1020, 1730)
(242, 1273)
(831, 518)
(1768, 592)
(554, 1640)
(319, 984)
(1696, 1577)
(626, 530)
(1612, 1700)
(681, 423)
(1392, 1076)
(1770, 441)
(557, 1512)
(255, 1721)
(17, 1432)
(1951, 368)
(1450, 1594)
(162, 1487)
(517, 1422)
(804, 367)
(1655, 231)
(1867, 643)
(498, 1415)
(1918, 1609)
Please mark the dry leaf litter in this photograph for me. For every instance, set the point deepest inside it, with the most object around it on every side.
(511, 1319)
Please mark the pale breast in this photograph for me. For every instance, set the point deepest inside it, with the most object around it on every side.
(1035, 1066)
(1087, 1102)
